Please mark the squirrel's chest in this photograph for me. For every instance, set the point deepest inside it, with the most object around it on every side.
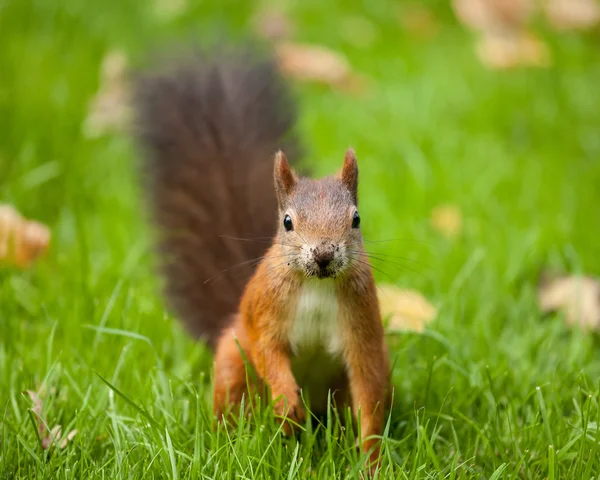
(316, 342)
(315, 325)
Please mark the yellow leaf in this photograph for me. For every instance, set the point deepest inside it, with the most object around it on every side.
(70, 436)
(504, 41)
(513, 50)
(21, 241)
(578, 297)
(493, 16)
(318, 64)
(447, 219)
(572, 14)
(404, 310)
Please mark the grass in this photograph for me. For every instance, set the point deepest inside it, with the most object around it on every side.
(491, 390)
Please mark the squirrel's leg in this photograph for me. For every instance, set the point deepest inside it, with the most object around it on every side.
(230, 372)
(368, 367)
(272, 364)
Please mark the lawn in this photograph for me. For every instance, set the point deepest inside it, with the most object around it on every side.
(492, 388)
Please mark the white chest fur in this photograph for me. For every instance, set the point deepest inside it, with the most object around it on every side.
(315, 324)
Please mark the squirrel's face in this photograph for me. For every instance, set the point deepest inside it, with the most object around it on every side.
(319, 223)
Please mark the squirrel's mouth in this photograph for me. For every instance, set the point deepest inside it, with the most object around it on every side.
(323, 270)
(322, 273)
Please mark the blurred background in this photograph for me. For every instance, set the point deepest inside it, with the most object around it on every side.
(476, 124)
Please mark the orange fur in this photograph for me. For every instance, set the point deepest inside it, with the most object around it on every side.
(271, 297)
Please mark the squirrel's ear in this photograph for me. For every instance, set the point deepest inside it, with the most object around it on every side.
(285, 178)
(350, 173)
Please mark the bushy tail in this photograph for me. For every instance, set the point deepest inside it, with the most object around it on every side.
(209, 125)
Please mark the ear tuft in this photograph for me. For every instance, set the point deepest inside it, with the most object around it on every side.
(285, 178)
(350, 173)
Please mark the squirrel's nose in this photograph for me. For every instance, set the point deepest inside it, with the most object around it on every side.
(323, 257)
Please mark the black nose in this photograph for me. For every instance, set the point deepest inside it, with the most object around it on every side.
(323, 258)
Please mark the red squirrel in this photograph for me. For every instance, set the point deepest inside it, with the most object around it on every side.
(255, 257)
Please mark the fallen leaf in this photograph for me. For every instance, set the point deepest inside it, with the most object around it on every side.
(273, 24)
(447, 219)
(21, 241)
(47, 438)
(405, 310)
(572, 14)
(52, 437)
(492, 16)
(109, 109)
(504, 41)
(501, 52)
(313, 63)
(318, 64)
(70, 436)
(419, 21)
(38, 405)
(578, 297)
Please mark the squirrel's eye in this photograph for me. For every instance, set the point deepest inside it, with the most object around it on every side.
(355, 220)
(287, 223)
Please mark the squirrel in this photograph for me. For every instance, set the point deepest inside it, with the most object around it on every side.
(267, 266)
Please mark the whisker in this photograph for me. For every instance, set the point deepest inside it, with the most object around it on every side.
(394, 264)
(256, 261)
(246, 239)
(342, 235)
(383, 254)
(373, 267)
(301, 237)
(270, 268)
(387, 260)
(397, 240)
(264, 240)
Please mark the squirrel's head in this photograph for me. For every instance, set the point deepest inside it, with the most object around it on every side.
(319, 224)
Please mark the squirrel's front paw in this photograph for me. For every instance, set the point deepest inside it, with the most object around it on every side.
(289, 410)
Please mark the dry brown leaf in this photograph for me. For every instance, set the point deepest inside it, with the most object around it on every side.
(313, 63)
(109, 110)
(51, 437)
(492, 16)
(504, 41)
(318, 64)
(273, 24)
(47, 438)
(405, 310)
(419, 21)
(21, 241)
(38, 405)
(70, 436)
(37, 408)
(512, 51)
(572, 14)
(447, 219)
(578, 297)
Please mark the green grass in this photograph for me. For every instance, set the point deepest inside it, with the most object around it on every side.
(491, 390)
